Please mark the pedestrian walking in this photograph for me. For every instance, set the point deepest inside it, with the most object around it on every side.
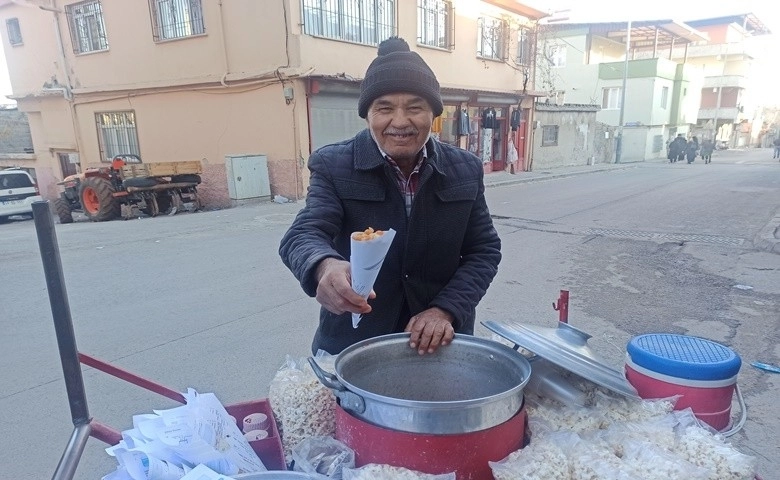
(692, 149)
(707, 146)
(676, 149)
(776, 144)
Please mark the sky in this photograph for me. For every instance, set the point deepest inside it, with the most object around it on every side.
(767, 70)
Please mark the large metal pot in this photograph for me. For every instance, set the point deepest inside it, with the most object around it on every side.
(470, 385)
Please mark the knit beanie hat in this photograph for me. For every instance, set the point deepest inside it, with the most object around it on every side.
(396, 69)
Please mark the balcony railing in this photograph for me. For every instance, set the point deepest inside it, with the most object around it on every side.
(737, 81)
(724, 114)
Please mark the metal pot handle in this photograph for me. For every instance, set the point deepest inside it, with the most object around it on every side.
(327, 379)
(349, 401)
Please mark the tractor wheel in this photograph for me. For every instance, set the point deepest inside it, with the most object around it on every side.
(97, 199)
(63, 211)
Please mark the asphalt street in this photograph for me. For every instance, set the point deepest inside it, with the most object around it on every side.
(201, 299)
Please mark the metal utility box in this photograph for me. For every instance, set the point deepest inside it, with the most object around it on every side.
(247, 176)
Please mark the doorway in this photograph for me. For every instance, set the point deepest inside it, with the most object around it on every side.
(68, 163)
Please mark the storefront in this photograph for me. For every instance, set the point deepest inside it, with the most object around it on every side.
(489, 126)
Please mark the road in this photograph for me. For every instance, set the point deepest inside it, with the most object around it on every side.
(201, 300)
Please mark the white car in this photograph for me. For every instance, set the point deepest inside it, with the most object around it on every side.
(17, 193)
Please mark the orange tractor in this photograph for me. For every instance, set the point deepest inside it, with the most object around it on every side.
(129, 187)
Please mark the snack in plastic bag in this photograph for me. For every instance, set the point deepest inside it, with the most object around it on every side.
(318, 456)
(542, 459)
(375, 471)
(723, 461)
(651, 462)
(302, 405)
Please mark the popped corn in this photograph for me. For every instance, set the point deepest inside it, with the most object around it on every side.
(375, 471)
(302, 405)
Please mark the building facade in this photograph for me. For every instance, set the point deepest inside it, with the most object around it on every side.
(173, 80)
(726, 60)
(587, 64)
(569, 135)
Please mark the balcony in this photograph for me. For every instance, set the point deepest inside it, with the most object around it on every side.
(736, 81)
(724, 113)
(722, 50)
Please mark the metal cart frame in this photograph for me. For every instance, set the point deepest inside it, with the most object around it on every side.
(84, 426)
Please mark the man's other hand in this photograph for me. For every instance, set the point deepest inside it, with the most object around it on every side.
(430, 329)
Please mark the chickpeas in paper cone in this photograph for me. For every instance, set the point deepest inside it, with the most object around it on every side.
(368, 250)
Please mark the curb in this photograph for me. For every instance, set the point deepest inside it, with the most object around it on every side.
(767, 239)
(551, 174)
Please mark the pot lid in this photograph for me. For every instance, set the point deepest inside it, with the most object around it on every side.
(567, 347)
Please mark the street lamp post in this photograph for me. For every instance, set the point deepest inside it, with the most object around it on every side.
(619, 145)
(715, 120)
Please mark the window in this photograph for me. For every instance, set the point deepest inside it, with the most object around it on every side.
(117, 134)
(176, 18)
(556, 55)
(664, 97)
(87, 31)
(14, 32)
(549, 135)
(611, 98)
(524, 46)
(433, 23)
(360, 21)
(490, 38)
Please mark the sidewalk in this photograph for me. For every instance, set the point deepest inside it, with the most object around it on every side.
(497, 179)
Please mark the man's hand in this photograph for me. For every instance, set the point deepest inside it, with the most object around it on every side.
(334, 288)
(430, 329)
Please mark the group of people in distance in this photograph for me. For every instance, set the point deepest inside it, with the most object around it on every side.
(680, 149)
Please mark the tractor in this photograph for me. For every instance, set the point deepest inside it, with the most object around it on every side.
(128, 187)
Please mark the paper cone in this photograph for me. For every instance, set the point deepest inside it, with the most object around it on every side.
(366, 257)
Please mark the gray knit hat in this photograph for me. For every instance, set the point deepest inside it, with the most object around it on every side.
(396, 69)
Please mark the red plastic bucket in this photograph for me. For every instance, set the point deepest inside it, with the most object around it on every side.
(702, 373)
(710, 401)
(466, 454)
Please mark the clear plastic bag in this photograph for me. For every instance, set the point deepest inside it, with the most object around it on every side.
(543, 459)
(374, 471)
(302, 405)
(322, 457)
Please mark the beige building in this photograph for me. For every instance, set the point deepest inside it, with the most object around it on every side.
(263, 80)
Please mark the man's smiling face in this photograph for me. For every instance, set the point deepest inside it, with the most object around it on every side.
(401, 124)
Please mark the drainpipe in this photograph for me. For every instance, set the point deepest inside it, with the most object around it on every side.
(67, 90)
(225, 63)
(60, 48)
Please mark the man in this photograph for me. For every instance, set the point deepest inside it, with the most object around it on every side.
(394, 175)
(677, 148)
(707, 147)
(776, 144)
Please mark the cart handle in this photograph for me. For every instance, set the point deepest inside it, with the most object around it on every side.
(123, 374)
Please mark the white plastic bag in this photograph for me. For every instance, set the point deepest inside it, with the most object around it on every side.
(375, 471)
(322, 457)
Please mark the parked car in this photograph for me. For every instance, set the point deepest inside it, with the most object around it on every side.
(17, 193)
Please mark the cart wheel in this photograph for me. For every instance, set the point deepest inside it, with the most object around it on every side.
(154, 208)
